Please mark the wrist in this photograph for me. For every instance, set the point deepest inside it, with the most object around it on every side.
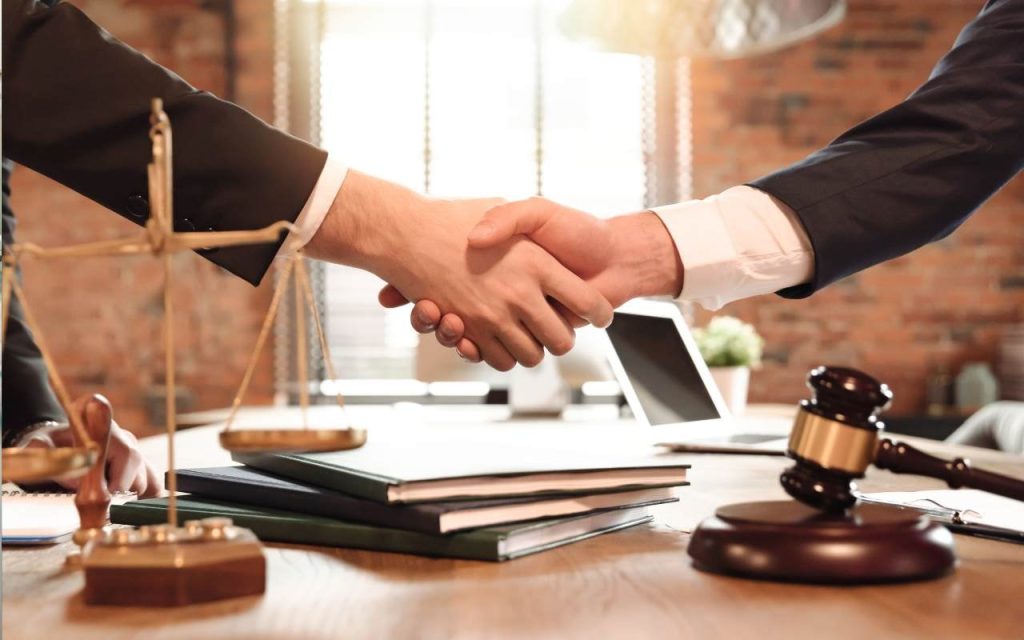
(643, 250)
(36, 430)
(364, 224)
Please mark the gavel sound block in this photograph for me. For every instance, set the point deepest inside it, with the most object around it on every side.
(157, 565)
(825, 536)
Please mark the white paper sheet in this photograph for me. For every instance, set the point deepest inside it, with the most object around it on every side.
(975, 507)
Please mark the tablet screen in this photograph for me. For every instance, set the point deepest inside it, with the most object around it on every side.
(661, 369)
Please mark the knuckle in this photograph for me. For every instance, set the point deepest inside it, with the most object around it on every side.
(499, 363)
(532, 360)
(562, 346)
(447, 324)
(597, 307)
(512, 288)
(488, 319)
(517, 301)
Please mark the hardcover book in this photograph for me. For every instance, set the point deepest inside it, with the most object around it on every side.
(244, 485)
(491, 543)
(393, 472)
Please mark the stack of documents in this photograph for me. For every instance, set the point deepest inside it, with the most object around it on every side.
(466, 501)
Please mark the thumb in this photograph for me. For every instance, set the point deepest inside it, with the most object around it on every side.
(504, 221)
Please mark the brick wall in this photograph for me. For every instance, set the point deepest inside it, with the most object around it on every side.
(102, 316)
(943, 305)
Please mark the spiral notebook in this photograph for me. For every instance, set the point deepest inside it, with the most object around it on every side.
(41, 517)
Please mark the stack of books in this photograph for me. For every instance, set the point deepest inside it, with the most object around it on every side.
(468, 501)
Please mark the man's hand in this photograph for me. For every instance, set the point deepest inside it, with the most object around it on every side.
(624, 257)
(127, 469)
(499, 290)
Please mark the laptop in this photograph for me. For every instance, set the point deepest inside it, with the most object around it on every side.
(668, 385)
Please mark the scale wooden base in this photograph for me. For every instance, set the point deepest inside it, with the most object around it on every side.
(164, 566)
(788, 541)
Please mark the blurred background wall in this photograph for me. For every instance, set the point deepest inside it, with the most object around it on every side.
(937, 308)
(934, 310)
(102, 316)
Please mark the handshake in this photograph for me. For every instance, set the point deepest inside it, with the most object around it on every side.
(500, 282)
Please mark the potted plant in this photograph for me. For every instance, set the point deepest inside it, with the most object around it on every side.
(730, 348)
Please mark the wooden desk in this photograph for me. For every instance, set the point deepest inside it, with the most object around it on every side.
(633, 584)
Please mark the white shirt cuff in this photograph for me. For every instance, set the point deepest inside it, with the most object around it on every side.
(739, 243)
(319, 203)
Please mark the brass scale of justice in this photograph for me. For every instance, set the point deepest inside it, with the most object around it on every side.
(167, 564)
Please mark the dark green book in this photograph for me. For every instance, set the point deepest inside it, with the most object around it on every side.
(399, 471)
(492, 543)
(244, 485)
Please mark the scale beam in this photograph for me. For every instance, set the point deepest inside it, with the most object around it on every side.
(176, 564)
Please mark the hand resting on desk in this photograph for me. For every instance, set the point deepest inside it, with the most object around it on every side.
(127, 468)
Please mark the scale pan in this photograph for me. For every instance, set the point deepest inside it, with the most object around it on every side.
(36, 465)
(291, 440)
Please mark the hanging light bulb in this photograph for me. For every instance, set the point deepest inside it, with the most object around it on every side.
(698, 28)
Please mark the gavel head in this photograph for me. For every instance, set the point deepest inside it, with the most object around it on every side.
(835, 437)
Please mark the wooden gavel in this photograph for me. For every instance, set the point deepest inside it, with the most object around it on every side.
(836, 436)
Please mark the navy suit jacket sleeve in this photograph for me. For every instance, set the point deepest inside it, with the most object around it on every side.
(76, 109)
(913, 174)
(27, 397)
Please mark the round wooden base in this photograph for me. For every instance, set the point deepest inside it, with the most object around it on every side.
(788, 541)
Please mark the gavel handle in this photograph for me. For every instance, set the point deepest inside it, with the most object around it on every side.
(93, 497)
(902, 458)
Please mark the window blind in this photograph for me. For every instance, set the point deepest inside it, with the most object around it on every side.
(468, 98)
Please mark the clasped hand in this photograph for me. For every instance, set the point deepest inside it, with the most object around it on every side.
(500, 281)
(620, 258)
(501, 290)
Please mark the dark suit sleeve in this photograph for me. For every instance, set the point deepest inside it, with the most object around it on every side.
(27, 395)
(76, 109)
(914, 173)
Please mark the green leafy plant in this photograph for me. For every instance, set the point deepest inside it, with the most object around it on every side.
(729, 342)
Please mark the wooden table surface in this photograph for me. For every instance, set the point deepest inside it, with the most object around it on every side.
(637, 583)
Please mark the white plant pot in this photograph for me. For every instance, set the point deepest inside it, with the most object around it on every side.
(733, 383)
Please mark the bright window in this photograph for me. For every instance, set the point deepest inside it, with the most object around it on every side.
(450, 96)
